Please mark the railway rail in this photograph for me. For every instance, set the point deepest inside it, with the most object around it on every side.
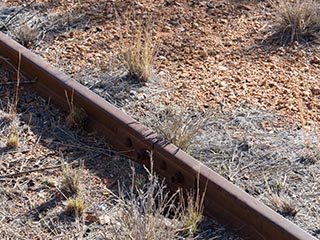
(222, 200)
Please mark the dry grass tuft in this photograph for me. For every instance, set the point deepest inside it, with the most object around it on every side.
(283, 206)
(26, 35)
(152, 212)
(76, 207)
(178, 127)
(310, 154)
(193, 212)
(13, 141)
(77, 117)
(298, 20)
(71, 179)
(144, 213)
(139, 55)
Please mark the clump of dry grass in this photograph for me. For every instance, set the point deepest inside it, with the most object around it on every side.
(71, 185)
(279, 198)
(310, 154)
(298, 20)
(76, 206)
(71, 179)
(152, 212)
(192, 207)
(145, 214)
(77, 117)
(13, 141)
(178, 127)
(26, 34)
(144, 211)
(138, 56)
(9, 129)
(284, 206)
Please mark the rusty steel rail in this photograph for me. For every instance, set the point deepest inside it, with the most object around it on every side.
(223, 200)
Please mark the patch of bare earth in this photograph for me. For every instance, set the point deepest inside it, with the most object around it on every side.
(212, 56)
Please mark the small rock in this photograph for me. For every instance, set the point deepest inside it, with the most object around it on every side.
(310, 105)
(52, 183)
(42, 195)
(212, 52)
(222, 68)
(48, 140)
(141, 96)
(246, 176)
(315, 60)
(167, 29)
(91, 217)
(223, 84)
(109, 16)
(315, 90)
(88, 55)
(244, 7)
(162, 57)
(3, 168)
(223, 20)
(103, 206)
(210, 5)
(204, 54)
(104, 219)
(206, 105)
(306, 93)
(133, 92)
(228, 43)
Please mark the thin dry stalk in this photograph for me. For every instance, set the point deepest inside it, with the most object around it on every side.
(16, 96)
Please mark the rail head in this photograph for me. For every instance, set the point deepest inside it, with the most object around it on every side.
(223, 200)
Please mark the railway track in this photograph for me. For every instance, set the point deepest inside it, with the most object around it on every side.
(223, 201)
